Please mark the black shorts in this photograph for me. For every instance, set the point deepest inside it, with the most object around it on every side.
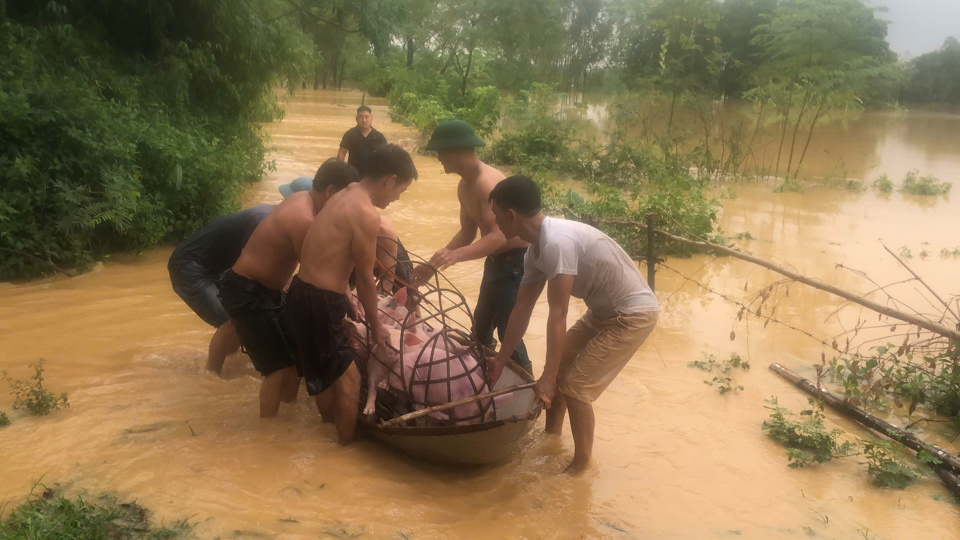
(260, 318)
(317, 317)
(198, 288)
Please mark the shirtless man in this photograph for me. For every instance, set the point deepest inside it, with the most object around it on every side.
(455, 143)
(252, 291)
(341, 241)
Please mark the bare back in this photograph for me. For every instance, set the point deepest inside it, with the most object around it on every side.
(475, 206)
(341, 231)
(271, 254)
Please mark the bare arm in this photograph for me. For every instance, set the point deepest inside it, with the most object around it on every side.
(387, 247)
(491, 239)
(364, 248)
(517, 325)
(342, 154)
(558, 296)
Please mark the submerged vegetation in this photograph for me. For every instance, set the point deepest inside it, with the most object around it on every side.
(807, 441)
(52, 515)
(32, 396)
(924, 185)
(721, 370)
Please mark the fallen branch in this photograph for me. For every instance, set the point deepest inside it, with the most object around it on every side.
(815, 283)
(465, 401)
(948, 461)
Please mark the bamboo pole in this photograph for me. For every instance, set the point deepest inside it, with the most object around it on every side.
(452, 404)
(815, 283)
(949, 461)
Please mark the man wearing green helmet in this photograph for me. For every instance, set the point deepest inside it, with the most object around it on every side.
(455, 143)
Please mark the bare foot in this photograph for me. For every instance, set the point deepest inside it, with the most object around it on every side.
(577, 467)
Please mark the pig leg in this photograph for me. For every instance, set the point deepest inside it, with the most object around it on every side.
(376, 373)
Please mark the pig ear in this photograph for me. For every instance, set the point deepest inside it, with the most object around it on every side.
(401, 296)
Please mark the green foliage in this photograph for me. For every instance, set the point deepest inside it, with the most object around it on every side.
(33, 396)
(721, 370)
(883, 184)
(934, 77)
(4, 419)
(905, 252)
(948, 252)
(924, 185)
(53, 516)
(126, 125)
(480, 108)
(807, 442)
(930, 380)
(886, 465)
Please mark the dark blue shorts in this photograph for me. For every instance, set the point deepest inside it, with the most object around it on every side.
(198, 289)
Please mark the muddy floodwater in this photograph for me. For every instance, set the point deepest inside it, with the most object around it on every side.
(673, 457)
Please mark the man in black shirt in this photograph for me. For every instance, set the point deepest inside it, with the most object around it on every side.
(196, 265)
(359, 141)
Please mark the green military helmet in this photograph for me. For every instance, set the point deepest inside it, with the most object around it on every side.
(453, 134)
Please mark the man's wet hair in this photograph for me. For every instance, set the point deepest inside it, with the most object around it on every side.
(363, 109)
(390, 159)
(336, 173)
(518, 193)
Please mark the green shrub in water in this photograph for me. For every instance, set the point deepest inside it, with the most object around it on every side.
(91, 517)
(924, 185)
(4, 419)
(807, 442)
(887, 466)
(32, 396)
(721, 370)
(883, 184)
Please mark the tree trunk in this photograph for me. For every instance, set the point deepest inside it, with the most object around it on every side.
(949, 461)
(410, 48)
(316, 79)
(816, 117)
(796, 128)
(466, 72)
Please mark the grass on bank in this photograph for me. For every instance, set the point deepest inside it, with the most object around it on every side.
(52, 515)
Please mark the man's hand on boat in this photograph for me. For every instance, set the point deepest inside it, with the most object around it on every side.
(495, 365)
(546, 389)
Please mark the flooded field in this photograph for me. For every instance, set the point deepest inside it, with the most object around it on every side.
(674, 458)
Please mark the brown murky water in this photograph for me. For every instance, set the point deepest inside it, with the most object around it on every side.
(674, 459)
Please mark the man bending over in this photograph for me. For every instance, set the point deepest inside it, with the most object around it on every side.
(572, 259)
(341, 241)
(252, 291)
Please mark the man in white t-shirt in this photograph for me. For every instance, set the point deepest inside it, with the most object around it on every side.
(572, 259)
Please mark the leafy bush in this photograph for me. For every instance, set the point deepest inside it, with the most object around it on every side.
(886, 466)
(129, 124)
(924, 185)
(883, 184)
(4, 419)
(807, 442)
(722, 370)
(33, 396)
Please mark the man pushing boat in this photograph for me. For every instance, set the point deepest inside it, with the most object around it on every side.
(572, 259)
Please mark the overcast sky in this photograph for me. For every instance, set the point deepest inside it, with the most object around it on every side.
(919, 26)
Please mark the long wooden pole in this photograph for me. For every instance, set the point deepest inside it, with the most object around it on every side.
(815, 283)
(452, 404)
(949, 461)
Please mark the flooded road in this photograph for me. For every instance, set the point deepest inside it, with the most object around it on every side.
(674, 458)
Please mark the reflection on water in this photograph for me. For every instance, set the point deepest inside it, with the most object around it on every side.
(674, 458)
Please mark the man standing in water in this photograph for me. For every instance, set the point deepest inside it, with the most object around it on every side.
(572, 259)
(360, 141)
(252, 291)
(456, 143)
(342, 241)
(196, 264)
